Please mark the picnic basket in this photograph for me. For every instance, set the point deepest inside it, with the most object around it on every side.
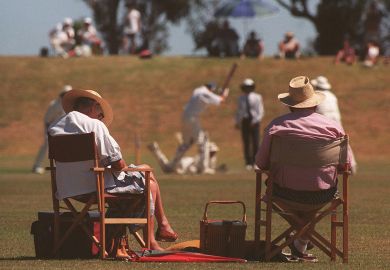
(223, 237)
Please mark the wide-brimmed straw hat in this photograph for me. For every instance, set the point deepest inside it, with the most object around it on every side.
(70, 97)
(301, 94)
(321, 83)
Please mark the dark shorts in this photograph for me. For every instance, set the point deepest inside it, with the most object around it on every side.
(306, 197)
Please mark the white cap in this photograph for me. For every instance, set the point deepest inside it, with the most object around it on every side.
(248, 82)
(321, 83)
(87, 20)
(66, 88)
(68, 21)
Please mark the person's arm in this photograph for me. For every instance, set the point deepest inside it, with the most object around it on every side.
(225, 94)
(118, 165)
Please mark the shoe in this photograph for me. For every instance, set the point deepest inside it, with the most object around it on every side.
(304, 257)
(209, 171)
(249, 167)
(166, 236)
(38, 170)
(310, 245)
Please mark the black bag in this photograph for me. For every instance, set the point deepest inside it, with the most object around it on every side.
(78, 244)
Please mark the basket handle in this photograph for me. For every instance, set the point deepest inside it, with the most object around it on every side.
(225, 202)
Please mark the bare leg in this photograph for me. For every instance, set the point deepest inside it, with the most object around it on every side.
(162, 220)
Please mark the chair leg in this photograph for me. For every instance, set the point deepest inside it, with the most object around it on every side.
(268, 232)
(73, 226)
(139, 239)
(345, 237)
(257, 216)
(56, 226)
(102, 235)
(333, 235)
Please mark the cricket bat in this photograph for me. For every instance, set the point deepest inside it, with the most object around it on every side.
(229, 76)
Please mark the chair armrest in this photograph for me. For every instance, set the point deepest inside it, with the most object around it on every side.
(102, 169)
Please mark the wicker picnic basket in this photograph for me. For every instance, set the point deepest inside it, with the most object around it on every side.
(223, 237)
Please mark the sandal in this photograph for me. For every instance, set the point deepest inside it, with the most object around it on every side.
(166, 236)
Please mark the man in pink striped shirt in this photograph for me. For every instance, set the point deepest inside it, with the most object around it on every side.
(308, 186)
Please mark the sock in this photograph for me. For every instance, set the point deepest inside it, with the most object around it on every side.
(301, 245)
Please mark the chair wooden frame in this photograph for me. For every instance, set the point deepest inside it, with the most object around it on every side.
(81, 147)
(274, 204)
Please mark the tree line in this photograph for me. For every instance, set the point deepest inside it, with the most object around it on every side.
(334, 21)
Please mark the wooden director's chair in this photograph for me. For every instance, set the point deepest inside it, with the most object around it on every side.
(82, 147)
(301, 153)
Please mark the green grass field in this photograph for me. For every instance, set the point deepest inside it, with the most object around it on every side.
(148, 97)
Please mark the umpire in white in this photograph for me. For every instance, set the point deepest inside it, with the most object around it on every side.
(250, 112)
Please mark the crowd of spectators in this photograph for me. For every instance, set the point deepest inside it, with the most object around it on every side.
(67, 42)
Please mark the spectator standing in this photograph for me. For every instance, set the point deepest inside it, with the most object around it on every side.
(253, 47)
(53, 112)
(131, 27)
(250, 112)
(289, 47)
(372, 20)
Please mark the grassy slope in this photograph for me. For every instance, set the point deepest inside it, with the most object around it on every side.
(153, 92)
(148, 96)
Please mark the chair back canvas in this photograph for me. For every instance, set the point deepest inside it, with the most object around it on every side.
(74, 156)
(303, 153)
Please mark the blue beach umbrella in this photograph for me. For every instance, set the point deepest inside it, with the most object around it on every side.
(245, 9)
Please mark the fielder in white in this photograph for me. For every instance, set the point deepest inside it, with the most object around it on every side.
(329, 107)
(53, 112)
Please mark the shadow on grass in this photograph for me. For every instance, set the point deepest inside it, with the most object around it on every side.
(14, 171)
(21, 258)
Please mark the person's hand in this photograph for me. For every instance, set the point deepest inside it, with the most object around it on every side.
(225, 92)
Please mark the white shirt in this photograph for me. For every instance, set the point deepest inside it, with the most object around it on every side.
(256, 107)
(132, 22)
(329, 107)
(87, 34)
(201, 98)
(54, 111)
(76, 178)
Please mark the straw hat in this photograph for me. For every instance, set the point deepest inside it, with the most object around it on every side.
(301, 94)
(70, 97)
(321, 83)
(248, 84)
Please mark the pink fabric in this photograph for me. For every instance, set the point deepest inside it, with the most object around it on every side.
(311, 126)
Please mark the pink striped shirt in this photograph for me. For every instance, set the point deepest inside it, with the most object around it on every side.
(311, 126)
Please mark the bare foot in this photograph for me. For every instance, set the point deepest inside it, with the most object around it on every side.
(155, 246)
(122, 254)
